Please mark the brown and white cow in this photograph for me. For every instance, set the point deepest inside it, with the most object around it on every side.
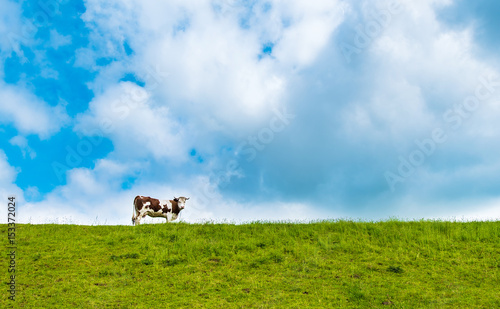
(148, 206)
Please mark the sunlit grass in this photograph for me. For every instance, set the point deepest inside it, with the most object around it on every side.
(415, 264)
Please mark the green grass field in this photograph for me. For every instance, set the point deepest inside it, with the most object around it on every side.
(391, 264)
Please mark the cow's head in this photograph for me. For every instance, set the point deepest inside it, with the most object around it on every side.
(181, 201)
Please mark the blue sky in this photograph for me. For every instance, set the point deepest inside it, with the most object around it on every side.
(257, 110)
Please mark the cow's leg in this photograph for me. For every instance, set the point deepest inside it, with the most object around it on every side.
(142, 216)
(138, 219)
(138, 216)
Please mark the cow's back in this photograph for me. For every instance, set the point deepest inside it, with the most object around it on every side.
(152, 204)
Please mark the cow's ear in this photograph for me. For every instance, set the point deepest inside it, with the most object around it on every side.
(176, 199)
(187, 198)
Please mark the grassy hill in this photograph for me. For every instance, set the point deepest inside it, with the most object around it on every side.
(392, 264)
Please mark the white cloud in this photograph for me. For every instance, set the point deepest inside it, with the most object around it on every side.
(90, 196)
(10, 30)
(57, 40)
(220, 88)
(440, 70)
(28, 113)
(483, 209)
(418, 69)
(22, 143)
(216, 78)
(310, 29)
(137, 125)
(10, 25)
(93, 196)
(8, 187)
(207, 203)
(489, 210)
(9, 173)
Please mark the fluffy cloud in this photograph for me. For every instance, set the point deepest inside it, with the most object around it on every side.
(354, 121)
(9, 173)
(217, 70)
(94, 196)
(57, 40)
(10, 29)
(205, 77)
(224, 83)
(22, 143)
(28, 113)
(136, 124)
(10, 24)
(90, 196)
(7, 185)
